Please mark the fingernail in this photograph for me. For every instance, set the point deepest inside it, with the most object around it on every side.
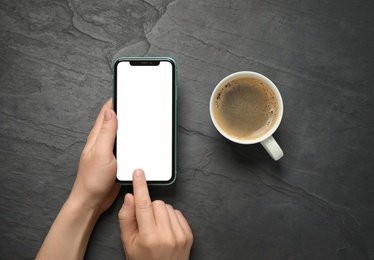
(138, 173)
(107, 115)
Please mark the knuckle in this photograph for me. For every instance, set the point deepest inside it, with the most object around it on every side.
(169, 207)
(184, 239)
(143, 204)
(189, 239)
(169, 241)
(158, 203)
(181, 240)
(121, 214)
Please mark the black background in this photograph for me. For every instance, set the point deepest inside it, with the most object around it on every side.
(315, 203)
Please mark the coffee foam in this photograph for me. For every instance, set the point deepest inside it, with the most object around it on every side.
(246, 108)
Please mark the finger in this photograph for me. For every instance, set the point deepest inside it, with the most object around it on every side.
(143, 204)
(127, 219)
(185, 226)
(176, 226)
(91, 139)
(107, 135)
(161, 214)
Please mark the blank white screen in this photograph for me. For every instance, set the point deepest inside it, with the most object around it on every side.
(144, 111)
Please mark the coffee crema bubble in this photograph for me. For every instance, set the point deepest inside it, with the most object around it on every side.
(246, 108)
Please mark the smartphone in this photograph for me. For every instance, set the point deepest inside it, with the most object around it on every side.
(145, 100)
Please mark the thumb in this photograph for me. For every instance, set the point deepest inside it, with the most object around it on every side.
(107, 135)
(127, 219)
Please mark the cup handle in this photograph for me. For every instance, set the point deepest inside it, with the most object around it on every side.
(273, 148)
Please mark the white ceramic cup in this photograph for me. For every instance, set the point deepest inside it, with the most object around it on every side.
(267, 140)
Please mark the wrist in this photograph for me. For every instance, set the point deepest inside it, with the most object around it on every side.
(70, 232)
(81, 198)
(80, 206)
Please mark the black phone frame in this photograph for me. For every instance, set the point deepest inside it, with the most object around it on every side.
(151, 61)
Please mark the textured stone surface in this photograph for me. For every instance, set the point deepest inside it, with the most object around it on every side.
(315, 203)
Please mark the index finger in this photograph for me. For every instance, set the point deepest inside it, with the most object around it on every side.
(143, 203)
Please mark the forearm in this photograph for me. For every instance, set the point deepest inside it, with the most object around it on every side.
(93, 192)
(70, 232)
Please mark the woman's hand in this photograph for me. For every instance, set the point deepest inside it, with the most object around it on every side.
(95, 183)
(93, 192)
(152, 230)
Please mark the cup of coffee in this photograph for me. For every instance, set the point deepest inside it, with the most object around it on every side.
(246, 107)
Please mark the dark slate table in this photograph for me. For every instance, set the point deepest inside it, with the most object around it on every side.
(315, 203)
